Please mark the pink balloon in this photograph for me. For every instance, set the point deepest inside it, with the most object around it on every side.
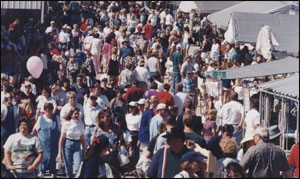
(35, 66)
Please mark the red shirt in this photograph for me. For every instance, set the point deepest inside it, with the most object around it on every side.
(133, 94)
(148, 29)
(83, 27)
(166, 98)
(294, 159)
(54, 51)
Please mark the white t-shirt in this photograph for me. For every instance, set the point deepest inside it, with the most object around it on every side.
(64, 37)
(96, 46)
(169, 19)
(3, 111)
(239, 90)
(215, 51)
(73, 129)
(133, 122)
(49, 122)
(179, 99)
(160, 86)
(91, 114)
(23, 149)
(252, 119)
(67, 107)
(41, 100)
(153, 19)
(88, 42)
(152, 64)
(141, 73)
(107, 31)
(127, 136)
(232, 113)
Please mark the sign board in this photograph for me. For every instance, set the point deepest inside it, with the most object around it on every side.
(219, 75)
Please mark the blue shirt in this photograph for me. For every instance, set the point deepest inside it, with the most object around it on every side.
(154, 125)
(188, 85)
(144, 126)
(124, 52)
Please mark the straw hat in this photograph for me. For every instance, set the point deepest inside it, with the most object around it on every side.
(90, 32)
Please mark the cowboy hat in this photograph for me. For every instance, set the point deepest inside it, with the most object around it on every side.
(274, 132)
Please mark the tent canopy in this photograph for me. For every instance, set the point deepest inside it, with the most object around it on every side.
(287, 86)
(286, 65)
(244, 28)
(205, 6)
(222, 17)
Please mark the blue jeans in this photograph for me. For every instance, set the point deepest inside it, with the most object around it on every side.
(88, 132)
(25, 175)
(238, 135)
(176, 79)
(71, 152)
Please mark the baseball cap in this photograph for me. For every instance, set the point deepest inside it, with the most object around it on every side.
(133, 104)
(93, 96)
(190, 72)
(192, 156)
(161, 106)
(178, 46)
(142, 101)
(248, 136)
(174, 133)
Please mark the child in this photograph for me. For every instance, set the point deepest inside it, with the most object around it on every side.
(209, 126)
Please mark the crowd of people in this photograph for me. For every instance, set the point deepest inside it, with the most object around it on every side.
(119, 92)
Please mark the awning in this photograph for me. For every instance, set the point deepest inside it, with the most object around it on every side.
(206, 6)
(244, 28)
(286, 65)
(21, 5)
(287, 86)
(222, 17)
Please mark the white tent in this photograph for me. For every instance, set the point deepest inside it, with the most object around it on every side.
(205, 6)
(245, 27)
(222, 17)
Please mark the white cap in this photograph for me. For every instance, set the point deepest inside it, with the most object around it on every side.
(161, 106)
(133, 103)
(178, 46)
(52, 22)
(142, 101)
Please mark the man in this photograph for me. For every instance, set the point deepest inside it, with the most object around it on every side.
(134, 93)
(81, 89)
(189, 86)
(142, 74)
(157, 120)
(180, 97)
(252, 119)
(177, 62)
(186, 66)
(91, 112)
(64, 38)
(148, 29)
(165, 96)
(144, 130)
(143, 42)
(72, 69)
(51, 28)
(96, 46)
(233, 113)
(213, 145)
(215, 51)
(265, 160)
(166, 162)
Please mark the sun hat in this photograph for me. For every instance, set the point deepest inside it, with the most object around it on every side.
(248, 136)
(274, 132)
(142, 101)
(178, 46)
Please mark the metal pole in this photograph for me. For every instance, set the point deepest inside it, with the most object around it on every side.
(297, 117)
(42, 11)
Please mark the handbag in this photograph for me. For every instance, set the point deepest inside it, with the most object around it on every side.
(123, 156)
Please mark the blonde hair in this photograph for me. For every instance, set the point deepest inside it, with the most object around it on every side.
(71, 94)
(228, 146)
(211, 115)
(27, 105)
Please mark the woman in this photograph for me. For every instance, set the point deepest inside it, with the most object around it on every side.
(106, 51)
(23, 152)
(152, 91)
(294, 158)
(75, 37)
(229, 149)
(191, 163)
(113, 133)
(126, 77)
(185, 39)
(47, 128)
(133, 120)
(94, 166)
(71, 137)
(27, 109)
(246, 143)
(113, 66)
(118, 104)
(234, 170)
(71, 95)
(8, 124)
(42, 100)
